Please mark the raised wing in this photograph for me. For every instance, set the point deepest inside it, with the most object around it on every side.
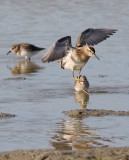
(58, 50)
(94, 36)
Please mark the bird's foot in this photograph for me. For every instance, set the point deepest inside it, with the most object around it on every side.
(77, 79)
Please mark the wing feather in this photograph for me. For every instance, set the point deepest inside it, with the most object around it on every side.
(94, 36)
(58, 50)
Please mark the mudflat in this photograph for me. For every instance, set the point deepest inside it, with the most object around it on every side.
(104, 153)
(83, 113)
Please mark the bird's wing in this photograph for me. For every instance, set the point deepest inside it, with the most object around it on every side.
(58, 50)
(31, 47)
(94, 36)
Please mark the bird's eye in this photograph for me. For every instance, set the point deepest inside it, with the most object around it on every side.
(13, 47)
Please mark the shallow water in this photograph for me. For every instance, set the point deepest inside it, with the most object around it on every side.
(37, 93)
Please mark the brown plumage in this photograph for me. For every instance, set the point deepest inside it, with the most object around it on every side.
(81, 84)
(25, 50)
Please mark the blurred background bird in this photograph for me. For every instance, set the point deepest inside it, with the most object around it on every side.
(25, 50)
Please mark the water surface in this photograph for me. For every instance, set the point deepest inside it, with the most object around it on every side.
(45, 91)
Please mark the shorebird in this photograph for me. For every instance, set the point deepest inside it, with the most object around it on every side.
(81, 84)
(25, 50)
(74, 58)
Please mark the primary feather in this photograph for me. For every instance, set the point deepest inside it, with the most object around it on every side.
(93, 36)
(58, 50)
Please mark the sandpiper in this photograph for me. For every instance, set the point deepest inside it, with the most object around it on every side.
(74, 58)
(81, 84)
(25, 50)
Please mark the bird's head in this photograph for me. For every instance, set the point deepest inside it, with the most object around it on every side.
(13, 49)
(91, 51)
(82, 78)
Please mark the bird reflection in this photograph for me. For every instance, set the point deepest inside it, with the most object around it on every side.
(25, 67)
(82, 98)
(73, 134)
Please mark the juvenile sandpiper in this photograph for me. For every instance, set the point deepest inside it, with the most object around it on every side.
(25, 50)
(81, 84)
(74, 58)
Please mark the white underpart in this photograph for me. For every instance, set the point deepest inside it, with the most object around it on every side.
(72, 63)
(27, 55)
(79, 87)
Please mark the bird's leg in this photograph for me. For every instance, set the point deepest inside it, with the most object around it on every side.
(79, 72)
(27, 58)
(74, 77)
(83, 106)
(85, 91)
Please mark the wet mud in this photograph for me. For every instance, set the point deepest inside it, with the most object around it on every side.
(83, 113)
(90, 154)
(6, 115)
(15, 78)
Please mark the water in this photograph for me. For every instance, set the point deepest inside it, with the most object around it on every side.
(39, 100)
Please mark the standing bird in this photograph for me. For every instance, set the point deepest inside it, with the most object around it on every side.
(74, 58)
(25, 50)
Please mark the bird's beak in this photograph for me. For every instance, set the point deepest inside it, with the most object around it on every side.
(96, 56)
(8, 52)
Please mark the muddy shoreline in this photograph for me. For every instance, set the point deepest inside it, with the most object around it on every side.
(100, 153)
(104, 153)
(83, 113)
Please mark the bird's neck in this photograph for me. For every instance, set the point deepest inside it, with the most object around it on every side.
(17, 51)
(81, 54)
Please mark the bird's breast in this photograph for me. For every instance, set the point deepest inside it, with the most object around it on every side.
(81, 54)
(72, 62)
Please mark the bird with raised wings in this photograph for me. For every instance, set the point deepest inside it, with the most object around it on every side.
(74, 58)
